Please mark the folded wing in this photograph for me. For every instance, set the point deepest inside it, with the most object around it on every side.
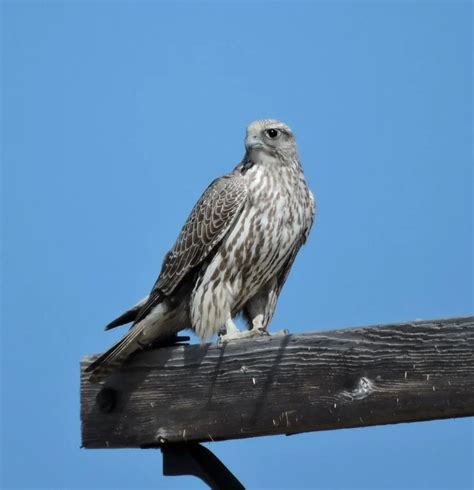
(210, 220)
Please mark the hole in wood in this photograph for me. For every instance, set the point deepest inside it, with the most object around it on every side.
(106, 399)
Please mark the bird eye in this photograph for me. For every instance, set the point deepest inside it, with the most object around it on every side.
(272, 133)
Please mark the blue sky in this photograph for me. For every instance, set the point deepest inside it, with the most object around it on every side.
(116, 116)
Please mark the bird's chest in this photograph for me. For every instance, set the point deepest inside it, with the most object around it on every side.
(270, 226)
(274, 208)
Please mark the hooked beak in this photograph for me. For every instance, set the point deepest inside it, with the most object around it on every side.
(252, 142)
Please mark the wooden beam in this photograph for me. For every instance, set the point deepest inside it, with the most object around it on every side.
(384, 374)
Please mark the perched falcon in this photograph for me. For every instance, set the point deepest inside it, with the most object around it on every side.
(233, 254)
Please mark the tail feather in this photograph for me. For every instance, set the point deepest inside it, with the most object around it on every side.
(110, 360)
(127, 317)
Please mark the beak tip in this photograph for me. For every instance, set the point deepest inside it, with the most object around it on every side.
(253, 143)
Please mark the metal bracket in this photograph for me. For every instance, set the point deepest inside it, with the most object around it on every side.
(196, 460)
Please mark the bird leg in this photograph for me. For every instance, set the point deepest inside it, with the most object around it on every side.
(231, 328)
(232, 332)
(257, 330)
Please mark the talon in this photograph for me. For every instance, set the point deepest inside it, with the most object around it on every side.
(255, 332)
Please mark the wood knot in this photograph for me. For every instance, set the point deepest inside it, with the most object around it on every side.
(363, 389)
(106, 399)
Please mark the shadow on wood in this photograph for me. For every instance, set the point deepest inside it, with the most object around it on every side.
(284, 385)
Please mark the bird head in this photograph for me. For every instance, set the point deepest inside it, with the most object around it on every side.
(268, 137)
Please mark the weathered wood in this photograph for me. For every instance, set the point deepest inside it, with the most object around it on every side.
(283, 385)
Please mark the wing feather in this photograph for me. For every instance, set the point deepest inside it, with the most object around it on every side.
(209, 221)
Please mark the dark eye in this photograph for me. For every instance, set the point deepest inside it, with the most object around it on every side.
(272, 133)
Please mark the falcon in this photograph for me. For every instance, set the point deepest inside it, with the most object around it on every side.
(233, 254)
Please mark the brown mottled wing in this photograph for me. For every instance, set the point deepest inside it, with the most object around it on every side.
(209, 221)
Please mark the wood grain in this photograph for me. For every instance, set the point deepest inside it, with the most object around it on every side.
(284, 385)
